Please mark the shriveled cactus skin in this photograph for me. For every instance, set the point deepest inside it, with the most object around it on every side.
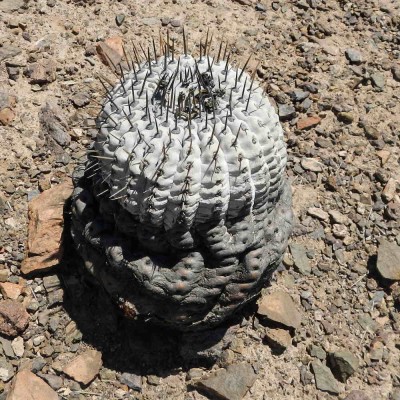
(182, 209)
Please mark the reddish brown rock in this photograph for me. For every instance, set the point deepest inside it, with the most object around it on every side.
(309, 122)
(6, 116)
(41, 72)
(11, 290)
(111, 51)
(26, 385)
(44, 247)
(13, 317)
(279, 307)
(84, 367)
(278, 339)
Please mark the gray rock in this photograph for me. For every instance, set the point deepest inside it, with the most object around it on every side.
(231, 383)
(343, 364)
(301, 261)
(354, 56)
(6, 370)
(8, 51)
(378, 80)
(286, 111)
(388, 263)
(132, 381)
(260, 7)
(299, 95)
(54, 381)
(324, 379)
(317, 351)
(38, 364)
(7, 347)
(176, 23)
(54, 124)
(119, 19)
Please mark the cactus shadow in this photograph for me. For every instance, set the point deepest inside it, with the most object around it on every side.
(128, 345)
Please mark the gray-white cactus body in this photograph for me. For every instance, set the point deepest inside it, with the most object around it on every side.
(185, 195)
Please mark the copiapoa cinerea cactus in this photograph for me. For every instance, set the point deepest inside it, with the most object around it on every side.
(182, 210)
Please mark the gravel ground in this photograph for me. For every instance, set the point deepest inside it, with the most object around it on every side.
(332, 68)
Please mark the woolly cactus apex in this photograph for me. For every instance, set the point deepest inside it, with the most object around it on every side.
(182, 209)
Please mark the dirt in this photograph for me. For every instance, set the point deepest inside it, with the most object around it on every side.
(342, 160)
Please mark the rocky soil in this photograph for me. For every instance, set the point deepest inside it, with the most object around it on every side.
(328, 326)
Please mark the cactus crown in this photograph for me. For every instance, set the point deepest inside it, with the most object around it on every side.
(185, 141)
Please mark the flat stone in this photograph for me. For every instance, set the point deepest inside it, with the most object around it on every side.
(85, 367)
(13, 318)
(41, 73)
(286, 111)
(80, 99)
(55, 382)
(279, 307)
(338, 217)
(324, 379)
(354, 56)
(343, 364)
(54, 124)
(357, 395)
(388, 262)
(299, 95)
(278, 339)
(389, 191)
(26, 385)
(318, 213)
(311, 164)
(300, 259)
(6, 370)
(7, 51)
(317, 352)
(18, 346)
(45, 229)
(133, 381)
(307, 123)
(111, 52)
(11, 290)
(229, 384)
(378, 80)
(8, 350)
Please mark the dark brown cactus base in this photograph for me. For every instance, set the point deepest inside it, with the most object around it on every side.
(184, 290)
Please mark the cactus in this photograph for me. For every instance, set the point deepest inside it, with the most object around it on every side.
(182, 210)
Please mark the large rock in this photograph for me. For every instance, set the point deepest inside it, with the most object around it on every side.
(13, 318)
(343, 364)
(27, 385)
(231, 383)
(324, 379)
(388, 263)
(85, 367)
(279, 307)
(44, 248)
